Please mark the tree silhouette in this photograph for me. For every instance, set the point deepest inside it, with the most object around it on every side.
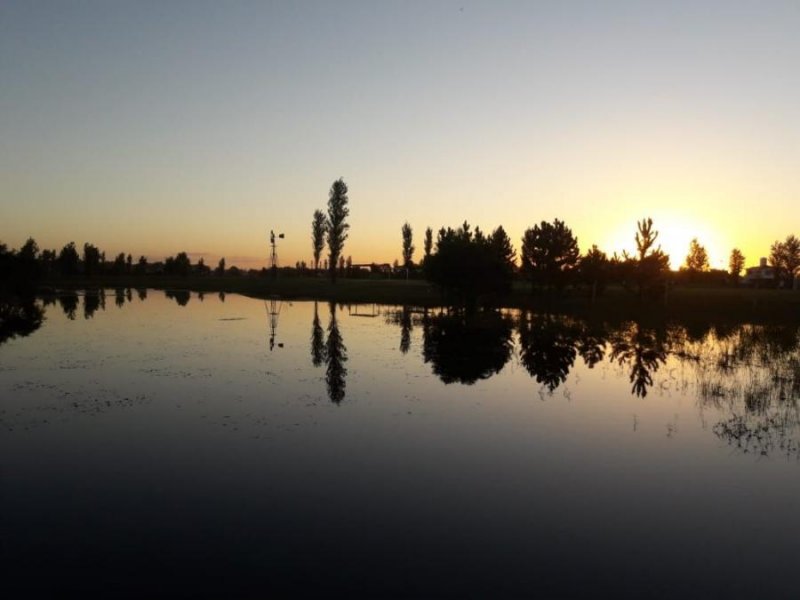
(428, 244)
(335, 357)
(697, 259)
(466, 350)
(408, 246)
(178, 265)
(643, 350)
(549, 254)
(19, 319)
(317, 340)
(785, 257)
(650, 267)
(220, 270)
(548, 347)
(736, 264)
(91, 302)
(141, 265)
(336, 226)
(318, 229)
(593, 270)
(69, 304)
(469, 265)
(118, 268)
(68, 261)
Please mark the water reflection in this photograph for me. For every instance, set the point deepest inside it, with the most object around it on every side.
(335, 357)
(643, 350)
(182, 297)
(465, 350)
(19, 319)
(548, 347)
(69, 304)
(317, 339)
(92, 302)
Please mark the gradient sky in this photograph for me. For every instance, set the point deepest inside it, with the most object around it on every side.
(156, 127)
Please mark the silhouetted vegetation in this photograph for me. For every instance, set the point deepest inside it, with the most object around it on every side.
(469, 266)
(335, 357)
(736, 264)
(408, 247)
(465, 349)
(548, 347)
(317, 339)
(785, 257)
(319, 226)
(336, 226)
(549, 254)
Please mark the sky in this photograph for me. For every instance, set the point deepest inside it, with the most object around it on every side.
(152, 128)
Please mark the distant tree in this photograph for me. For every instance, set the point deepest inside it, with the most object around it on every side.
(785, 257)
(202, 268)
(118, 268)
(318, 229)
(348, 264)
(736, 263)
(428, 244)
(408, 246)
(341, 265)
(697, 259)
(549, 253)
(91, 259)
(29, 250)
(68, 260)
(129, 264)
(178, 265)
(593, 270)
(220, 270)
(336, 226)
(141, 265)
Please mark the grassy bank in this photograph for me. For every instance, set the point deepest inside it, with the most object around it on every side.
(706, 303)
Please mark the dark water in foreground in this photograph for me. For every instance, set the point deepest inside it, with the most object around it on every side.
(168, 447)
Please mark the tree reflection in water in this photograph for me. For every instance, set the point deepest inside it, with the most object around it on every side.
(69, 304)
(643, 350)
(464, 350)
(182, 297)
(548, 347)
(19, 319)
(91, 303)
(335, 357)
(317, 339)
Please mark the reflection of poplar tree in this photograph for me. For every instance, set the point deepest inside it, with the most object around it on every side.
(317, 340)
(405, 330)
(335, 356)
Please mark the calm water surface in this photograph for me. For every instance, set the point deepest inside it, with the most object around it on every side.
(171, 445)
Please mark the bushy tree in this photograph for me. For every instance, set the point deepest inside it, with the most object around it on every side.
(549, 254)
(68, 261)
(468, 265)
(593, 270)
(91, 259)
(736, 263)
(178, 265)
(697, 259)
(336, 226)
(785, 257)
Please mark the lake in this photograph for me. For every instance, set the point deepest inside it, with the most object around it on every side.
(160, 444)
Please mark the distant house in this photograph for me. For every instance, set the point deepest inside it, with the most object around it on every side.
(761, 276)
